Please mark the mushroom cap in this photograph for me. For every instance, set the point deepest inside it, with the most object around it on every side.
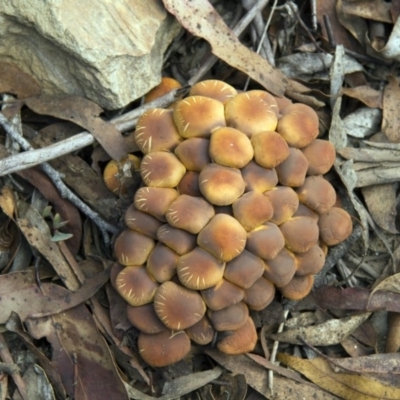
(178, 240)
(252, 209)
(258, 178)
(193, 153)
(164, 348)
(224, 237)
(298, 288)
(281, 269)
(304, 211)
(161, 169)
(189, 213)
(199, 270)
(310, 262)
(240, 341)
(284, 202)
(136, 286)
(250, 114)
(141, 222)
(165, 86)
(320, 155)
(221, 185)
(222, 295)
(230, 147)
(132, 248)
(154, 201)
(229, 318)
(198, 116)
(300, 233)
(299, 125)
(335, 226)
(189, 184)
(178, 307)
(145, 318)
(293, 170)
(317, 193)
(266, 241)
(161, 264)
(267, 97)
(270, 149)
(115, 269)
(156, 131)
(215, 89)
(202, 332)
(244, 270)
(282, 102)
(259, 295)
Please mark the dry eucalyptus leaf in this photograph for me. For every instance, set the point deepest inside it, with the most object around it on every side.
(391, 51)
(200, 18)
(390, 284)
(325, 334)
(370, 155)
(391, 117)
(346, 386)
(374, 363)
(84, 113)
(7, 202)
(363, 122)
(376, 10)
(393, 338)
(370, 97)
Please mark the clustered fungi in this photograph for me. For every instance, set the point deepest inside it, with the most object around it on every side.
(233, 205)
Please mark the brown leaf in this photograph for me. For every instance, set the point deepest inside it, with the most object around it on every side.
(84, 113)
(200, 18)
(7, 202)
(393, 335)
(391, 116)
(366, 94)
(375, 363)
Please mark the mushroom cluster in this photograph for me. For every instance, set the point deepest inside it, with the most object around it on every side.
(233, 206)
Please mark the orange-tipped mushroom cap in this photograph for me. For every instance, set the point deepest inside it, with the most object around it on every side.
(299, 125)
(229, 318)
(267, 97)
(199, 270)
(178, 307)
(284, 202)
(165, 86)
(259, 178)
(281, 269)
(145, 319)
(310, 262)
(189, 213)
(335, 226)
(230, 147)
(136, 286)
(298, 288)
(224, 237)
(198, 116)
(259, 295)
(202, 332)
(292, 171)
(141, 222)
(321, 156)
(221, 185)
(193, 153)
(215, 89)
(164, 348)
(161, 264)
(222, 295)
(180, 241)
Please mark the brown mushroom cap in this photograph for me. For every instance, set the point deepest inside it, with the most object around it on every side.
(304, 211)
(141, 222)
(165, 86)
(284, 202)
(299, 125)
(292, 171)
(178, 240)
(193, 153)
(244, 270)
(258, 178)
(281, 269)
(222, 295)
(270, 149)
(198, 116)
(161, 169)
(155, 201)
(164, 348)
(300, 233)
(199, 270)
(335, 226)
(259, 295)
(310, 262)
(321, 156)
(145, 319)
(240, 341)
(178, 307)
(252, 209)
(189, 184)
(201, 333)
(224, 237)
(132, 248)
(317, 193)
(136, 286)
(250, 114)
(215, 89)
(189, 213)
(298, 288)
(230, 147)
(221, 185)
(156, 131)
(161, 264)
(266, 241)
(229, 318)
(282, 102)
(267, 97)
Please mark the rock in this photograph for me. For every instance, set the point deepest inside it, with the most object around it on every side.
(108, 51)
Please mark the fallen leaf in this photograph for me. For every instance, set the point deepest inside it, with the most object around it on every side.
(374, 363)
(390, 284)
(393, 334)
(200, 18)
(391, 117)
(7, 202)
(363, 122)
(370, 97)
